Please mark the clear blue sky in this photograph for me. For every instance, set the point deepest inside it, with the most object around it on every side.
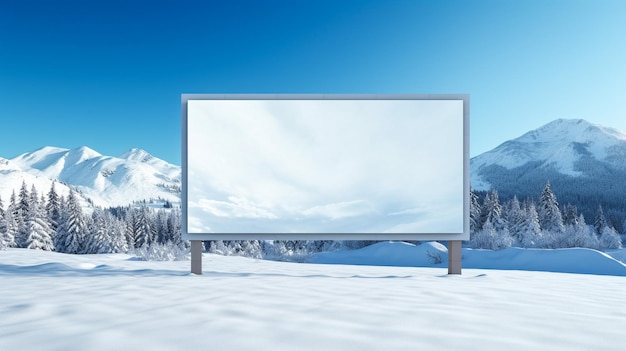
(109, 74)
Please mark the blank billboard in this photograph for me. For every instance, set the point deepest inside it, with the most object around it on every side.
(325, 167)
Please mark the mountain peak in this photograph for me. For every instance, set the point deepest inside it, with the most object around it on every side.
(571, 130)
(85, 152)
(137, 154)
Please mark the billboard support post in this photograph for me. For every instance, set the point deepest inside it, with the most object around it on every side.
(454, 257)
(196, 256)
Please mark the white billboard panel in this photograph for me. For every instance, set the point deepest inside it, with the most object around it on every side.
(325, 167)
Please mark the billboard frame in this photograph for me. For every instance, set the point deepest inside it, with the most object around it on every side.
(197, 238)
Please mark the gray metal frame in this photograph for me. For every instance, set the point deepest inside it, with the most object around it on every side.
(453, 238)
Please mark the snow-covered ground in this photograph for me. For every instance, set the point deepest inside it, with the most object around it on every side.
(52, 301)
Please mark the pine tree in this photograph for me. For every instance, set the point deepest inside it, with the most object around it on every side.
(22, 209)
(160, 220)
(578, 235)
(3, 227)
(13, 205)
(1, 208)
(146, 231)
(515, 216)
(550, 218)
(90, 243)
(117, 238)
(570, 215)
(600, 222)
(75, 224)
(39, 234)
(475, 211)
(60, 236)
(98, 241)
(23, 202)
(609, 239)
(53, 207)
(15, 215)
(174, 229)
(531, 235)
(484, 238)
(11, 229)
(131, 227)
(492, 211)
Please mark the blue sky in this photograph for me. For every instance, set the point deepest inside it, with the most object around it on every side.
(109, 74)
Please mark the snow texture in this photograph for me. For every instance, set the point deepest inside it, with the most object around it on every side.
(54, 301)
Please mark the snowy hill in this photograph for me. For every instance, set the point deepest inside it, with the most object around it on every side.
(585, 162)
(105, 180)
(434, 254)
(55, 301)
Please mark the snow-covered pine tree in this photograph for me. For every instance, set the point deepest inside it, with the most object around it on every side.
(174, 229)
(117, 237)
(531, 232)
(579, 235)
(23, 202)
(600, 221)
(484, 238)
(3, 245)
(60, 236)
(96, 238)
(570, 215)
(22, 206)
(53, 207)
(13, 205)
(75, 224)
(490, 238)
(515, 217)
(3, 227)
(492, 211)
(609, 239)
(160, 223)
(12, 226)
(14, 212)
(39, 233)
(146, 231)
(131, 221)
(550, 218)
(475, 212)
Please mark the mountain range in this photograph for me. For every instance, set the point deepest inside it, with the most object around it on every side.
(584, 162)
(98, 179)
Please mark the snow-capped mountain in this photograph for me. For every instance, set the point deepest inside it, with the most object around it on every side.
(570, 147)
(105, 180)
(585, 164)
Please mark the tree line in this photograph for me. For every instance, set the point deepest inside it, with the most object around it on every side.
(536, 225)
(57, 223)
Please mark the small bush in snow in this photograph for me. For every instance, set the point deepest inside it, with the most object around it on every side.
(162, 252)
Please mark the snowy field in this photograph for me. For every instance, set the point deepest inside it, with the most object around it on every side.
(53, 301)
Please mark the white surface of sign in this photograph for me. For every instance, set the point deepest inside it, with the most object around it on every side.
(324, 167)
